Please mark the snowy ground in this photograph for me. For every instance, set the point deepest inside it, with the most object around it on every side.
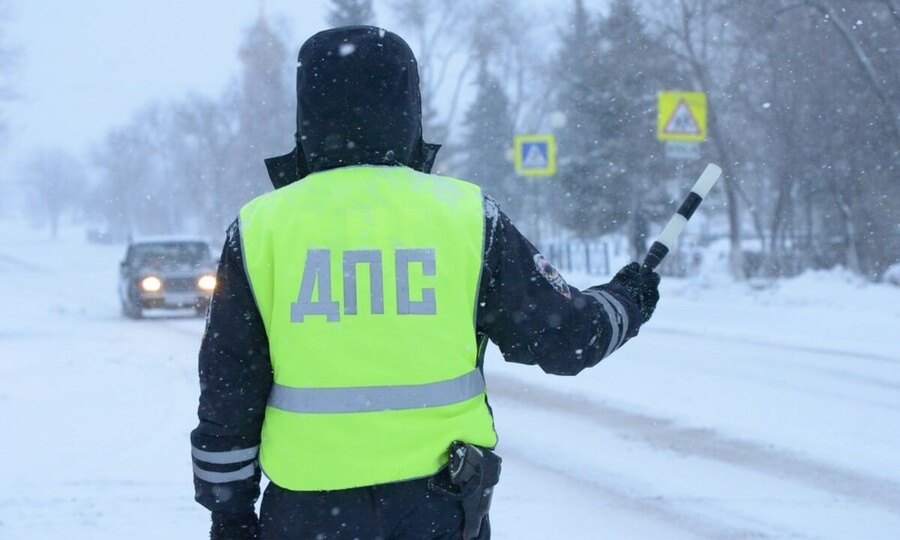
(737, 413)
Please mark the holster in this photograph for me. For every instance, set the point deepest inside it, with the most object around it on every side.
(475, 471)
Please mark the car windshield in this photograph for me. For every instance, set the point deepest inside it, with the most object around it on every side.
(170, 254)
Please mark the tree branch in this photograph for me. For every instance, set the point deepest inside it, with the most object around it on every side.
(822, 6)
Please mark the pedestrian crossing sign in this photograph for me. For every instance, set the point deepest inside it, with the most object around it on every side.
(535, 155)
(681, 116)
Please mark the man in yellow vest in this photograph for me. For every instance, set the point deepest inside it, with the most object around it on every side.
(344, 344)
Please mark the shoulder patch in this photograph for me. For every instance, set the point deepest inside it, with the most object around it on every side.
(549, 272)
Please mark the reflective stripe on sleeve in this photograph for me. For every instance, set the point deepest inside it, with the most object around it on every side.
(377, 398)
(224, 477)
(224, 458)
(618, 316)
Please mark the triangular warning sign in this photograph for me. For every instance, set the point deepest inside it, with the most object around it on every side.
(682, 121)
(534, 157)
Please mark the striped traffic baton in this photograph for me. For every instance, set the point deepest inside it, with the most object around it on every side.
(669, 235)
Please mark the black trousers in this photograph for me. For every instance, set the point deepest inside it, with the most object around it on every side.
(413, 510)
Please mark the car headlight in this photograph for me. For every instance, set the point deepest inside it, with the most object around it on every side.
(151, 284)
(207, 282)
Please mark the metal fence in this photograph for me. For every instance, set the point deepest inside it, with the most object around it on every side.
(590, 257)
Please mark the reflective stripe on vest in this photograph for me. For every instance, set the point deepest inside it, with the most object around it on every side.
(367, 279)
(377, 398)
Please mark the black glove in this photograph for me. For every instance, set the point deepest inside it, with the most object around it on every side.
(642, 287)
(234, 526)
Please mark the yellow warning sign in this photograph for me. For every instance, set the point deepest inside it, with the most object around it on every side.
(535, 155)
(681, 116)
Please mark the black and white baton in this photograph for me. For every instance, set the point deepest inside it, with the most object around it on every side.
(669, 235)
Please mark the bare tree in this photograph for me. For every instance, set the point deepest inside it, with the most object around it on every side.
(699, 38)
(436, 30)
(191, 165)
(205, 132)
(134, 189)
(53, 182)
(9, 60)
(875, 79)
(828, 154)
(504, 40)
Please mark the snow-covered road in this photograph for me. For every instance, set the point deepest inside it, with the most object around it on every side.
(734, 415)
(737, 413)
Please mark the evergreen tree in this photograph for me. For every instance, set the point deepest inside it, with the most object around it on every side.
(350, 12)
(578, 168)
(489, 134)
(634, 71)
(609, 156)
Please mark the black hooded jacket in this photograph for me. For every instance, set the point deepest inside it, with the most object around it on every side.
(359, 103)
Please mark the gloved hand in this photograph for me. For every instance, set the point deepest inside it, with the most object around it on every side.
(234, 526)
(643, 287)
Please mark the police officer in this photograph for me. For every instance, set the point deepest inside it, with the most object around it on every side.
(344, 344)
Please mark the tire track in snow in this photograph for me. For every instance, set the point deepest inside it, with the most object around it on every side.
(9, 263)
(707, 444)
(784, 346)
(657, 509)
(826, 370)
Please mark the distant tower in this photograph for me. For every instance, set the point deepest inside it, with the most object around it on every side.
(263, 58)
(264, 104)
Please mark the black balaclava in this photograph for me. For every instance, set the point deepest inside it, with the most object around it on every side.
(358, 103)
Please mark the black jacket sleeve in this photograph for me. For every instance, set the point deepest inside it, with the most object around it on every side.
(534, 317)
(235, 381)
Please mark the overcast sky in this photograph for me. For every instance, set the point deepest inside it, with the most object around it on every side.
(87, 66)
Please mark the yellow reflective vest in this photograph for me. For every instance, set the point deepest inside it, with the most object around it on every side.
(367, 280)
